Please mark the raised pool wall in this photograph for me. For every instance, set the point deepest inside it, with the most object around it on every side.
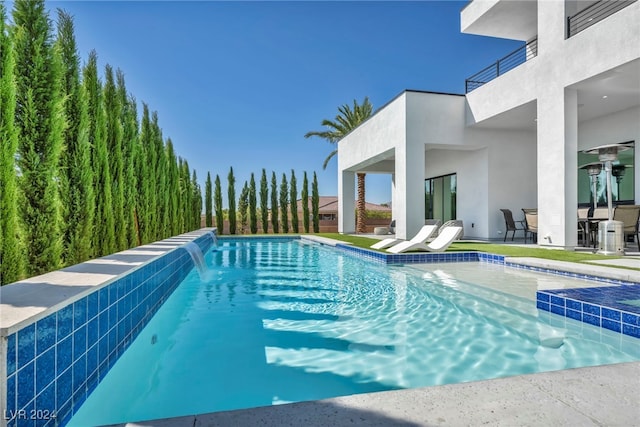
(61, 332)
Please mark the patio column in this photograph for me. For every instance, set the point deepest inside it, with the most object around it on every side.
(346, 202)
(408, 210)
(557, 167)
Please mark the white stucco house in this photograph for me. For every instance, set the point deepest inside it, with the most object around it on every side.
(515, 139)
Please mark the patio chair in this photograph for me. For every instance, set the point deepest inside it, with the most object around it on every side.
(531, 224)
(510, 224)
(386, 243)
(629, 215)
(423, 235)
(440, 244)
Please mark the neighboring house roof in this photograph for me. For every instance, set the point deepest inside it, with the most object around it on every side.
(329, 204)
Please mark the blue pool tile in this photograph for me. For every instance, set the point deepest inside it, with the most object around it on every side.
(45, 369)
(631, 319)
(92, 332)
(591, 309)
(78, 399)
(611, 314)
(79, 313)
(27, 421)
(555, 300)
(11, 394)
(113, 315)
(65, 321)
(104, 298)
(574, 305)
(64, 413)
(46, 401)
(557, 309)
(103, 349)
(542, 305)
(541, 296)
(79, 372)
(113, 293)
(63, 387)
(64, 354)
(45, 333)
(12, 354)
(574, 314)
(611, 325)
(103, 323)
(26, 345)
(92, 360)
(593, 320)
(26, 384)
(633, 331)
(79, 342)
(93, 305)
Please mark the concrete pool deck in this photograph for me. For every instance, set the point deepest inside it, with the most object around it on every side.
(607, 395)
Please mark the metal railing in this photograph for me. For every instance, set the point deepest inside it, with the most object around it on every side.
(509, 62)
(593, 14)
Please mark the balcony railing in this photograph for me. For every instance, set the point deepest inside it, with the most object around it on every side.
(509, 62)
(594, 13)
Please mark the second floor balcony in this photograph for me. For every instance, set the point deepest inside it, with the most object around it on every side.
(501, 66)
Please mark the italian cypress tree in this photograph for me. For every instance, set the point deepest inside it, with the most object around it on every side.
(145, 177)
(231, 193)
(181, 226)
(11, 249)
(293, 198)
(77, 174)
(208, 202)
(284, 204)
(187, 196)
(113, 115)
(161, 221)
(129, 149)
(243, 207)
(173, 189)
(264, 202)
(40, 123)
(304, 198)
(104, 237)
(217, 202)
(253, 214)
(196, 202)
(315, 200)
(274, 203)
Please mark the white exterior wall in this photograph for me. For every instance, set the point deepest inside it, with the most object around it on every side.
(494, 168)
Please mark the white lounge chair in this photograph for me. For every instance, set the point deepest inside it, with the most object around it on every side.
(440, 244)
(423, 235)
(385, 243)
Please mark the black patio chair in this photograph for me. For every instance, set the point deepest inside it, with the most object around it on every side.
(510, 224)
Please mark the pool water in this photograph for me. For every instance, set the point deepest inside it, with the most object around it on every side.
(284, 321)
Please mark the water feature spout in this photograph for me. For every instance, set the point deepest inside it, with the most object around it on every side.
(198, 258)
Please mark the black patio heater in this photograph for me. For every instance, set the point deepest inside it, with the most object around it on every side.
(610, 232)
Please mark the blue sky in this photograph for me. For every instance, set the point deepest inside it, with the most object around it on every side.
(240, 83)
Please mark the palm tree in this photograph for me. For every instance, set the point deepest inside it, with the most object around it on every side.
(347, 120)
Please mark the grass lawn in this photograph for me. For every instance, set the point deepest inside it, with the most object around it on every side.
(508, 250)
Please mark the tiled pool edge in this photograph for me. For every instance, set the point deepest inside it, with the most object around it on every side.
(53, 363)
(594, 314)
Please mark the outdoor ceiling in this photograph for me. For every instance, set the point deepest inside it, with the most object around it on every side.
(609, 92)
(517, 20)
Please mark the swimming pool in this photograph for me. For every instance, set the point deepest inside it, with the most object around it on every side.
(282, 321)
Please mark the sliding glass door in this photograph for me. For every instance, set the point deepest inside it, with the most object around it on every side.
(440, 197)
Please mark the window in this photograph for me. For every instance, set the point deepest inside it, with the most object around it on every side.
(622, 181)
(440, 197)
